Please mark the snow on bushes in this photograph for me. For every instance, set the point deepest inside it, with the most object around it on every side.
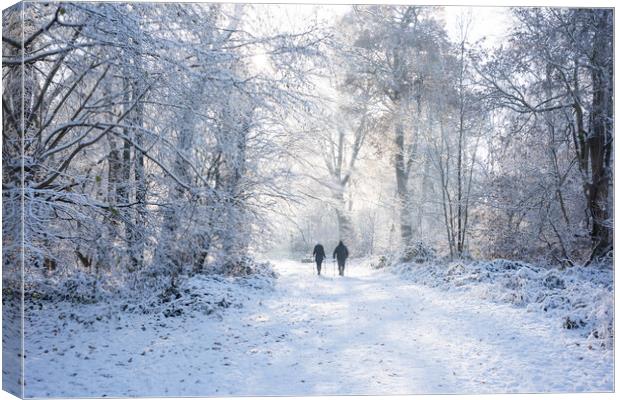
(380, 262)
(76, 287)
(82, 298)
(418, 252)
(207, 294)
(579, 298)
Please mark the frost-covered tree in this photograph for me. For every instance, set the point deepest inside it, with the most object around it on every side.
(555, 77)
(145, 124)
(397, 50)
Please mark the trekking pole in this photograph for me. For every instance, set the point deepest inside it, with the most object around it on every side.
(333, 267)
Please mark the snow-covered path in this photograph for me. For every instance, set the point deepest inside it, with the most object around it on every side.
(369, 332)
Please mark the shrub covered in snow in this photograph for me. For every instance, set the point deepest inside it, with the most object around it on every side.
(245, 266)
(380, 262)
(208, 293)
(578, 298)
(418, 252)
(77, 287)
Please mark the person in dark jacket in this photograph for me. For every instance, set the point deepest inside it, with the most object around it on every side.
(319, 256)
(341, 253)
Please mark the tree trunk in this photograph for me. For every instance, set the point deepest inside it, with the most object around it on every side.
(233, 139)
(401, 182)
(171, 215)
(345, 225)
(460, 234)
(140, 179)
(600, 139)
(123, 185)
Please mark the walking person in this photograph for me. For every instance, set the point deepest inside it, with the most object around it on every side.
(319, 256)
(340, 254)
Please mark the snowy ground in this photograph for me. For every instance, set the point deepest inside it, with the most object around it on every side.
(370, 332)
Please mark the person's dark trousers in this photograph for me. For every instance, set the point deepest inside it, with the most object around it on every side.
(341, 268)
(318, 266)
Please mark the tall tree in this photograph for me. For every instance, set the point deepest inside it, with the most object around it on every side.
(559, 63)
(397, 48)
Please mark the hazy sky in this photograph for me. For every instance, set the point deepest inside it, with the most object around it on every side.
(490, 22)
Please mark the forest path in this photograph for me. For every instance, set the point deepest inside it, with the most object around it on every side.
(370, 332)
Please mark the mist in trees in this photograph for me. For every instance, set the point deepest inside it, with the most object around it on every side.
(472, 147)
(149, 142)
